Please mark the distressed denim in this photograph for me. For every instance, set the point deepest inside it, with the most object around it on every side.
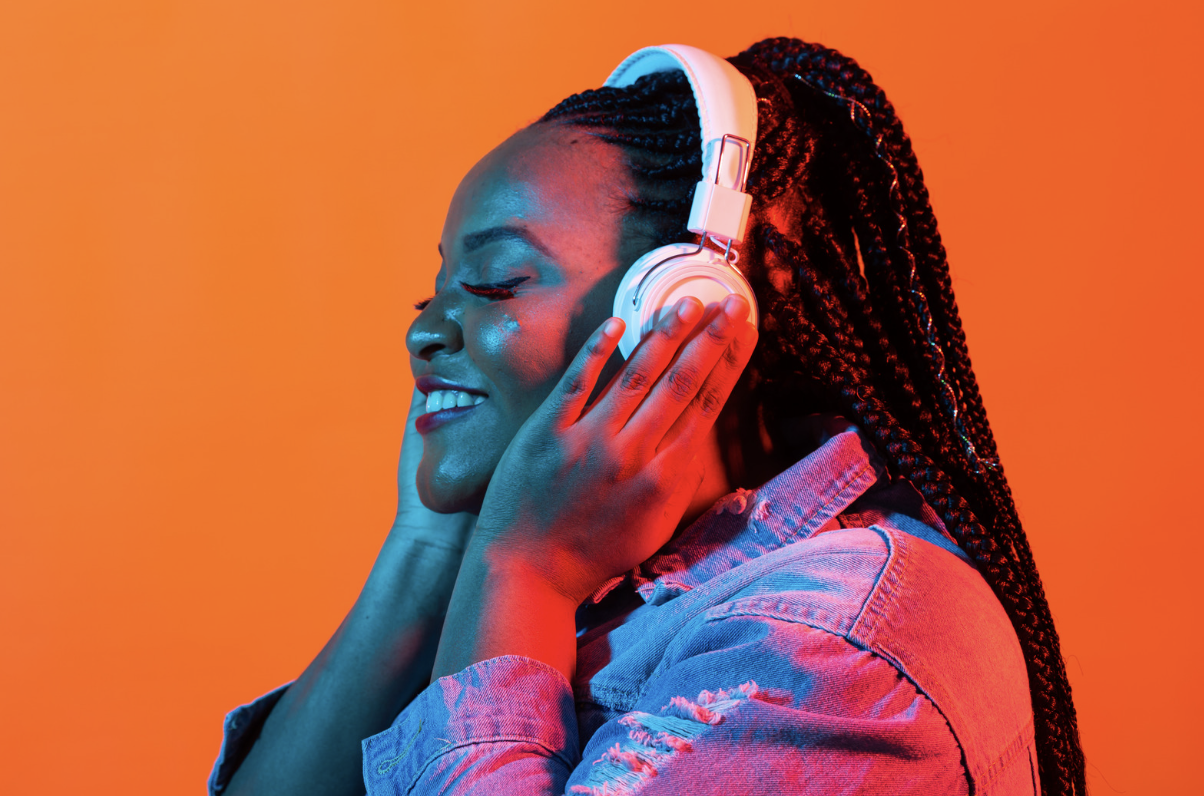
(819, 635)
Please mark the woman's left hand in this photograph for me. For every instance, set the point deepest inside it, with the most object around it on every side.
(586, 493)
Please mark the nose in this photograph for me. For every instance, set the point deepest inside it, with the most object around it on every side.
(437, 330)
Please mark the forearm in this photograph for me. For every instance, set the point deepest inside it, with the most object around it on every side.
(378, 660)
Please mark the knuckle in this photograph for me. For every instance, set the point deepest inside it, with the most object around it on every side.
(718, 333)
(666, 333)
(634, 380)
(710, 401)
(574, 386)
(682, 381)
(614, 470)
(596, 348)
(594, 461)
(647, 488)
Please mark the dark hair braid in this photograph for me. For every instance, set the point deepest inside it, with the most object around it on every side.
(867, 335)
(886, 348)
(1004, 551)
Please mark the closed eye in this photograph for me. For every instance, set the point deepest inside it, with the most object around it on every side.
(421, 305)
(496, 290)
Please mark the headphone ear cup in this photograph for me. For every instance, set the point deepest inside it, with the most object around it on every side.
(663, 276)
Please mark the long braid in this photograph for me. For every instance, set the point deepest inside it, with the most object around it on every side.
(1010, 568)
(1015, 577)
(887, 348)
(850, 292)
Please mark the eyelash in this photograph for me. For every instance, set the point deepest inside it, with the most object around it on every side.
(495, 291)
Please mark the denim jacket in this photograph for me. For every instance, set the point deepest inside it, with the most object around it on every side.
(821, 634)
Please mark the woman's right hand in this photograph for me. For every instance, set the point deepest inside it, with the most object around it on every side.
(414, 521)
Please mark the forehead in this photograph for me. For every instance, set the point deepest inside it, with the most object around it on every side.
(559, 182)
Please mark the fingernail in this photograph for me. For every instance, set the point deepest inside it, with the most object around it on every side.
(732, 307)
(688, 310)
(612, 328)
(747, 334)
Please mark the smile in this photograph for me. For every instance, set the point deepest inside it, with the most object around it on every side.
(437, 400)
(446, 405)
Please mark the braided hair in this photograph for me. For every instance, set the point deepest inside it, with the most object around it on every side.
(858, 313)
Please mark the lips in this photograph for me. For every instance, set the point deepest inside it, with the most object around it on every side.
(445, 401)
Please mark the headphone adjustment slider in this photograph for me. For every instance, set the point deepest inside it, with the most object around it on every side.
(720, 212)
(720, 208)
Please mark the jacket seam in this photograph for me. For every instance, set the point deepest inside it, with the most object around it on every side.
(786, 616)
(885, 585)
(443, 750)
(888, 589)
(1019, 743)
(851, 479)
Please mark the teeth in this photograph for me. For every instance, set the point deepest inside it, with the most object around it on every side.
(447, 399)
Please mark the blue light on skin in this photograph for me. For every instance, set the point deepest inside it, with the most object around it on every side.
(548, 204)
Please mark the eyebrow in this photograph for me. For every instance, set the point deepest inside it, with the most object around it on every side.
(486, 236)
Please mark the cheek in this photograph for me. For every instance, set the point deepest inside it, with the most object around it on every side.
(522, 352)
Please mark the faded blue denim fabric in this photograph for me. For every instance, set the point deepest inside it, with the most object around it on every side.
(821, 634)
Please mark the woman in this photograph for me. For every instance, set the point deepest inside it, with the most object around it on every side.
(762, 561)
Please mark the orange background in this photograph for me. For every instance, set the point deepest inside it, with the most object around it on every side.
(214, 217)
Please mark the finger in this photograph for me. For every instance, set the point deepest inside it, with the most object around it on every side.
(567, 400)
(699, 417)
(411, 447)
(654, 353)
(704, 366)
(411, 440)
(417, 408)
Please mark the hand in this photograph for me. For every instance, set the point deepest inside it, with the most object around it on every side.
(378, 660)
(583, 494)
(414, 521)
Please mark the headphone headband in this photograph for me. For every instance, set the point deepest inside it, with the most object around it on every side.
(727, 114)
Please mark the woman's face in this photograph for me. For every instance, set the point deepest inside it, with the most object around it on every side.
(533, 250)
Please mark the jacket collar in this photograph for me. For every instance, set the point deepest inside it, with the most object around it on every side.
(794, 505)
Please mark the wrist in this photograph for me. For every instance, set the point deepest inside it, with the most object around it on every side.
(504, 605)
(523, 555)
(413, 576)
(509, 572)
(432, 531)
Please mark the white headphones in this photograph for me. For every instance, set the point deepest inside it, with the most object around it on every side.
(727, 113)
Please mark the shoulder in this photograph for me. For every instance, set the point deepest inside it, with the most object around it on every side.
(911, 606)
(882, 589)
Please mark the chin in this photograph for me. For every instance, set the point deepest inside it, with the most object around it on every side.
(451, 493)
